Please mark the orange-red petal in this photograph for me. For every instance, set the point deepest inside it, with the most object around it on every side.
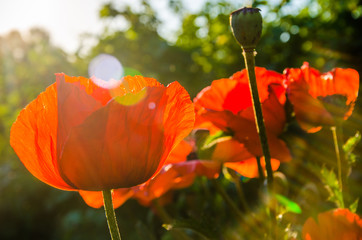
(338, 224)
(308, 91)
(95, 198)
(179, 153)
(175, 176)
(249, 167)
(122, 146)
(33, 136)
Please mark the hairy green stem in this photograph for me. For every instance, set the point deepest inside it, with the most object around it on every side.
(259, 119)
(338, 147)
(110, 214)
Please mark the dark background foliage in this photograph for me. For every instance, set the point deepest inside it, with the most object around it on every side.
(325, 33)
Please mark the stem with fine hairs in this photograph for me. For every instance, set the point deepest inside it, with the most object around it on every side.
(110, 214)
(258, 113)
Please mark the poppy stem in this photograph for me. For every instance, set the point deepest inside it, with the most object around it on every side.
(241, 194)
(161, 211)
(258, 113)
(220, 189)
(338, 147)
(110, 214)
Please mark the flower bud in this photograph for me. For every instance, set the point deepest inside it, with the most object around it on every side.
(246, 25)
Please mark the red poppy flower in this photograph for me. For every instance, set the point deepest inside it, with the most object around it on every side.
(337, 224)
(321, 99)
(177, 173)
(79, 136)
(227, 105)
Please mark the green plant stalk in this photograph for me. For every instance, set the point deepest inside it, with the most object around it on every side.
(227, 199)
(110, 214)
(338, 147)
(241, 194)
(161, 211)
(259, 119)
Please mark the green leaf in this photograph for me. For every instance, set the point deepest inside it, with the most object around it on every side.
(288, 204)
(352, 142)
(330, 182)
(350, 145)
(131, 72)
(353, 207)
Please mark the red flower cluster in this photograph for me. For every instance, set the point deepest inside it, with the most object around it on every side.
(226, 105)
(321, 99)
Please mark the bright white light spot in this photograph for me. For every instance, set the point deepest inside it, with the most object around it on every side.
(152, 105)
(106, 71)
(167, 167)
(284, 37)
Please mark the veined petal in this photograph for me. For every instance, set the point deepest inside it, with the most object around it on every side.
(74, 105)
(179, 116)
(117, 146)
(122, 146)
(33, 136)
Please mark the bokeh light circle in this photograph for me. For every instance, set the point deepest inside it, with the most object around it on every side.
(106, 71)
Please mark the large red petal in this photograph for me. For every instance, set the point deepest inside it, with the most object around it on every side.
(178, 118)
(34, 138)
(118, 146)
(75, 104)
(122, 146)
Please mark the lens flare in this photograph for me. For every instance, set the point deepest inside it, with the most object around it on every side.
(152, 105)
(106, 71)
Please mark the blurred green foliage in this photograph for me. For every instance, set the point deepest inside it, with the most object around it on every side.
(325, 33)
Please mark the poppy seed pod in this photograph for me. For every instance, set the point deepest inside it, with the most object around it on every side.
(246, 25)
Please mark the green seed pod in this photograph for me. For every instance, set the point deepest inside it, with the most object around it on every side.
(246, 25)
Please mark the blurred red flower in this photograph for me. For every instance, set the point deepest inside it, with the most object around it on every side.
(177, 173)
(226, 105)
(337, 224)
(79, 136)
(321, 99)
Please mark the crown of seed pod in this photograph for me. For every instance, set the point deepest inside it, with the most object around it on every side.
(246, 25)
